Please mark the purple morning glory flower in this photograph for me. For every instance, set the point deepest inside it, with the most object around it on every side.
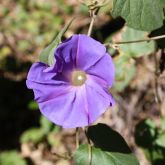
(74, 91)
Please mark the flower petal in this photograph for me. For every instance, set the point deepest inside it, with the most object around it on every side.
(81, 51)
(44, 92)
(89, 51)
(67, 105)
(99, 100)
(103, 69)
(44, 83)
(37, 73)
(65, 55)
(66, 110)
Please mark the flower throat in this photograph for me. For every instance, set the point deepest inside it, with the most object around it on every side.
(78, 78)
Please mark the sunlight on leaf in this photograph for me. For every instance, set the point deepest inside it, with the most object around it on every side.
(144, 15)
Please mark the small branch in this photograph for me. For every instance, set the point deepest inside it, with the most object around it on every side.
(115, 44)
(77, 138)
(93, 14)
(91, 25)
(93, 10)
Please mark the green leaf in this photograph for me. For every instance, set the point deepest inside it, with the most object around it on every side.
(163, 123)
(52, 139)
(152, 141)
(145, 133)
(46, 125)
(103, 158)
(11, 158)
(34, 135)
(47, 55)
(113, 150)
(33, 105)
(162, 2)
(155, 155)
(144, 15)
(124, 63)
(161, 140)
(136, 49)
(125, 71)
(107, 139)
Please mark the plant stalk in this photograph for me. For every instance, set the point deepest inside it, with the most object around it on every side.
(113, 44)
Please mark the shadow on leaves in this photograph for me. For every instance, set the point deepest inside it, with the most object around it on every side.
(107, 139)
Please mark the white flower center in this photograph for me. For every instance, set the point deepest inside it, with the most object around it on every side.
(78, 78)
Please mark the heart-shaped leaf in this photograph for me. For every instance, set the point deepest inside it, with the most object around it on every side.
(103, 158)
(111, 148)
(107, 139)
(144, 15)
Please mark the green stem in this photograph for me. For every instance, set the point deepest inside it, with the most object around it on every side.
(77, 138)
(93, 13)
(89, 147)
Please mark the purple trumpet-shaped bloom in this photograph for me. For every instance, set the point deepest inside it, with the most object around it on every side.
(74, 91)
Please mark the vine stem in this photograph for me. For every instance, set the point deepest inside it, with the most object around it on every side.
(90, 154)
(77, 138)
(89, 147)
(91, 24)
(135, 41)
(93, 14)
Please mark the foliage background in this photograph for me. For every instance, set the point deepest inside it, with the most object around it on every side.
(26, 28)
